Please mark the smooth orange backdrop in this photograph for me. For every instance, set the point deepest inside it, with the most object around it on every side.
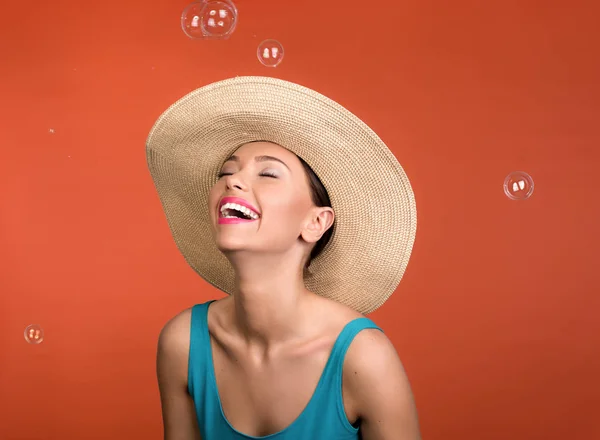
(496, 319)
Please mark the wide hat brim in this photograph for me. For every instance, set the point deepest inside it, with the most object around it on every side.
(374, 205)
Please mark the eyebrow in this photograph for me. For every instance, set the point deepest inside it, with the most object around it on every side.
(235, 158)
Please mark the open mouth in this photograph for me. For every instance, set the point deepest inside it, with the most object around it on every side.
(234, 210)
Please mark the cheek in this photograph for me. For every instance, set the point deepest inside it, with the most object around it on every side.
(289, 208)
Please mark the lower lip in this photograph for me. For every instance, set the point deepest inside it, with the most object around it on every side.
(234, 221)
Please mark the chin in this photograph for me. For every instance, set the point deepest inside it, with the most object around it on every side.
(231, 244)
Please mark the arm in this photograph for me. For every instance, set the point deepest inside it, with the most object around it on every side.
(379, 389)
(179, 417)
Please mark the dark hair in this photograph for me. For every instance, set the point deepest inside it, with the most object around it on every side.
(320, 198)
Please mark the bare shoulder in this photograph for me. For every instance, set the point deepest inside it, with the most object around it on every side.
(369, 358)
(378, 388)
(179, 420)
(175, 334)
(174, 338)
(173, 351)
(370, 353)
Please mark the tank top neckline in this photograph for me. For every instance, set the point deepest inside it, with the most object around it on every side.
(213, 382)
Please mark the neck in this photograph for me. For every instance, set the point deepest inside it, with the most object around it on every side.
(270, 302)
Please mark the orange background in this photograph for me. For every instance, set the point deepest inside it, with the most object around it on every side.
(496, 319)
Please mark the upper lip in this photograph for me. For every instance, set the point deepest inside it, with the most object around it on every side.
(238, 201)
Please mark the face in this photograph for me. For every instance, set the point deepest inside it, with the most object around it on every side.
(266, 185)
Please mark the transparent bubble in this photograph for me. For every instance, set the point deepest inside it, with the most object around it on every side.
(34, 334)
(270, 53)
(209, 19)
(518, 185)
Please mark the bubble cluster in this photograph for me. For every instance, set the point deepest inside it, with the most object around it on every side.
(209, 19)
(217, 19)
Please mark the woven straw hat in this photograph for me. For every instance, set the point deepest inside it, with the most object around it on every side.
(375, 211)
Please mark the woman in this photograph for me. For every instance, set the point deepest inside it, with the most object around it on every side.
(289, 203)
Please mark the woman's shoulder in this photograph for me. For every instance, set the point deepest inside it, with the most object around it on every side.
(366, 342)
(173, 351)
(175, 334)
(176, 331)
(179, 325)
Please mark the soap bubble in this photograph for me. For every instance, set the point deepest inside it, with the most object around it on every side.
(270, 53)
(209, 19)
(518, 185)
(34, 334)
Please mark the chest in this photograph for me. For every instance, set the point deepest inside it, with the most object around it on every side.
(260, 398)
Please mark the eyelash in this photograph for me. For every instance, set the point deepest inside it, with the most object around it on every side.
(264, 174)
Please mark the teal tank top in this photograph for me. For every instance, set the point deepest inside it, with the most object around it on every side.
(323, 418)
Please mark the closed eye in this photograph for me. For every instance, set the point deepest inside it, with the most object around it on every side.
(264, 174)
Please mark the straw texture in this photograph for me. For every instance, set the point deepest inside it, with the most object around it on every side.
(375, 211)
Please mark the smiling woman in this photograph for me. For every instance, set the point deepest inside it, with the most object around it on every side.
(272, 209)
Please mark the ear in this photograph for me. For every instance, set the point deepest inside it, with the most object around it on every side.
(319, 220)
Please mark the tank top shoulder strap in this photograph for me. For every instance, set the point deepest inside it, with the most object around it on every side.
(343, 341)
(199, 359)
(330, 387)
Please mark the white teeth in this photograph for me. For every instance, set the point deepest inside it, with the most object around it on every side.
(239, 208)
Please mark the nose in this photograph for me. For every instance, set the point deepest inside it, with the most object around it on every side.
(234, 181)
